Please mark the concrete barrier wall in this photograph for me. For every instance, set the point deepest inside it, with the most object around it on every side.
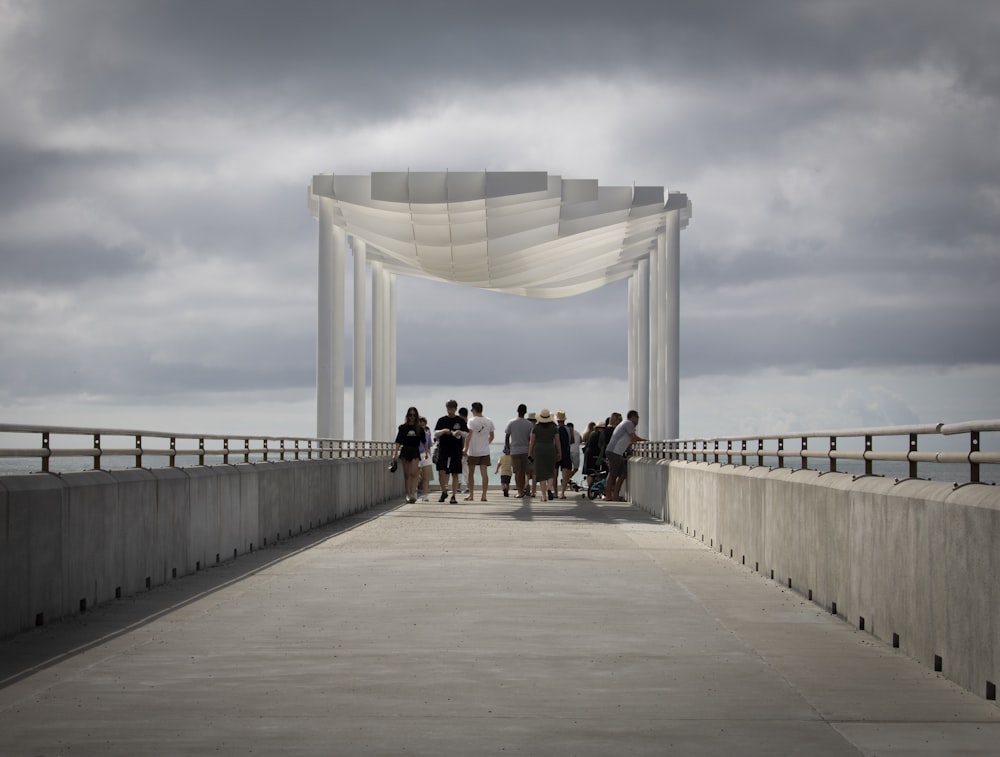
(73, 541)
(917, 563)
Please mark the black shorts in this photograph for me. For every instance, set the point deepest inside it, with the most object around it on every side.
(449, 463)
(409, 453)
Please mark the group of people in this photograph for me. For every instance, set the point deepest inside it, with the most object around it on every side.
(541, 451)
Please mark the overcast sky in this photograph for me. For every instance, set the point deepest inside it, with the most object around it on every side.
(158, 260)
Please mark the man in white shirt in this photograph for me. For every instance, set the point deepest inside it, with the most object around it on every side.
(622, 438)
(477, 448)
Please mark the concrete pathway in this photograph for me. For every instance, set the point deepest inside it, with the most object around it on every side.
(504, 627)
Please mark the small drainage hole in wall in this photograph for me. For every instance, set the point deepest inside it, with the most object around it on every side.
(216, 558)
(40, 619)
(235, 553)
(991, 691)
(772, 574)
(833, 609)
(895, 641)
(83, 605)
(149, 582)
(861, 623)
(118, 592)
(197, 565)
(938, 663)
(810, 595)
(789, 583)
(173, 572)
(756, 567)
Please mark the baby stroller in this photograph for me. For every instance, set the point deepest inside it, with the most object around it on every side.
(600, 482)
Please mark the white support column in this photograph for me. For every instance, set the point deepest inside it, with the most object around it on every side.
(330, 331)
(391, 373)
(655, 425)
(662, 346)
(642, 342)
(378, 351)
(633, 354)
(672, 324)
(360, 297)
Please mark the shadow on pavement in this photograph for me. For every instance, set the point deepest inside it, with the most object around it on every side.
(37, 649)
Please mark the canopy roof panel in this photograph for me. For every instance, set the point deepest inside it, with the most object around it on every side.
(520, 232)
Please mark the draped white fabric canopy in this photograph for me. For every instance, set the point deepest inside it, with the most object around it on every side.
(527, 233)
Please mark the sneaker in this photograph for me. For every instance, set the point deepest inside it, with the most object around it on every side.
(444, 496)
(454, 501)
(425, 498)
(506, 493)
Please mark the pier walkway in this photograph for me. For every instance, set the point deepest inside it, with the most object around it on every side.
(498, 627)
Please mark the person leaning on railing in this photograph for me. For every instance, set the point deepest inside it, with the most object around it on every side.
(621, 439)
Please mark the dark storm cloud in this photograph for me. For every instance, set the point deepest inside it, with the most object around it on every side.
(381, 56)
(184, 131)
(62, 263)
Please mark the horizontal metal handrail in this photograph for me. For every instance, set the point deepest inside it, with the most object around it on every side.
(263, 448)
(751, 449)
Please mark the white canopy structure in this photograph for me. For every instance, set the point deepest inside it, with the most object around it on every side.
(525, 233)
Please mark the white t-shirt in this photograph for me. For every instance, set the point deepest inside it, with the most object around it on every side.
(480, 428)
(621, 438)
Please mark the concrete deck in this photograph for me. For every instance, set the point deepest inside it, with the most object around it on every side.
(504, 627)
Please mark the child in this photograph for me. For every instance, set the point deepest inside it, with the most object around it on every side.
(504, 467)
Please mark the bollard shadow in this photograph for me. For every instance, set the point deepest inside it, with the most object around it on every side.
(32, 651)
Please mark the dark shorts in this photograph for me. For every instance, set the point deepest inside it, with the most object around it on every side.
(616, 465)
(409, 453)
(519, 463)
(449, 463)
(478, 460)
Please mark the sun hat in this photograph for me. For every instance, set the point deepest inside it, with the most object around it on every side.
(560, 415)
(531, 416)
(545, 416)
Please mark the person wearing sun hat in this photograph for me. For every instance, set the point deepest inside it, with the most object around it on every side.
(544, 452)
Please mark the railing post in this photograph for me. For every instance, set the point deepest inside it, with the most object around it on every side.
(201, 450)
(833, 460)
(805, 448)
(913, 463)
(246, 450)
(225, 451)
(743, 451)
(173, 451)
(45, 446)
(265, 449)
(781, 448)
(729, 451)
(138, 453)
(868, 448)
(973, 449)
(97, 451)
(760, 452)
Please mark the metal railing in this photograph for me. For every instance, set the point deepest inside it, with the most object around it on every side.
(795, 447)
(140, 446)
